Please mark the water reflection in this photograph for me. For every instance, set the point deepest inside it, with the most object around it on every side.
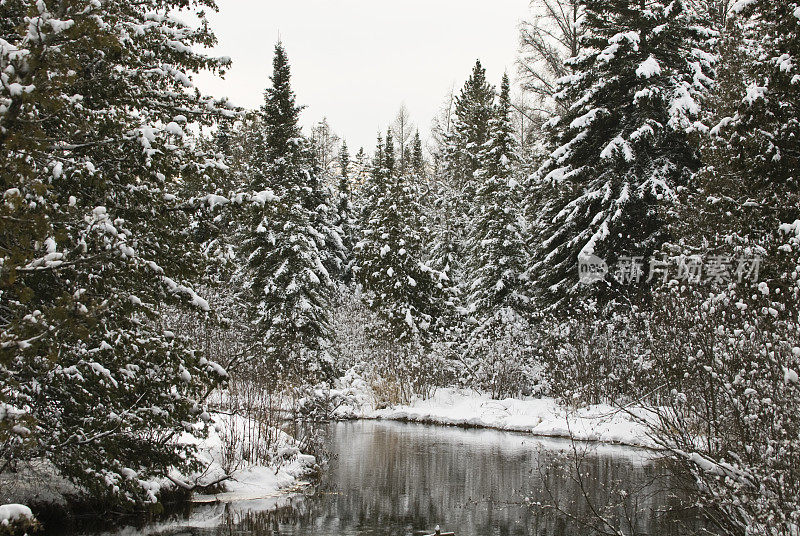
(395, 479)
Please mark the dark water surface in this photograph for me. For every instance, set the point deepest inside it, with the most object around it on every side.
(388, 478)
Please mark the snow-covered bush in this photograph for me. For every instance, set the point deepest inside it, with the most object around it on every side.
(395, 370)
(500, 357)
(256, 410)
(321, 403)
(729, 412)
(17, 520)
(595, 355)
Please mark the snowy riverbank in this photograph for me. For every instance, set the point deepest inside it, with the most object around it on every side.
(231, 441)
(538, 416)
(280, 470)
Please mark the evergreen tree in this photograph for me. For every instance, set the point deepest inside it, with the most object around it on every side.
(372, 186)
(287, 284)
(397, 284)
(756, 147)
(495, 243)
(344, 211)
(417, 159)
(498, 341)
(622, 150)
(463, 154)
(474, 108)
(748, 190)
(94, 240)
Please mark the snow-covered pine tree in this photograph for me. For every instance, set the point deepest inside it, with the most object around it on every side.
(495, 245)
(345, 215)
(759, 138)
(474, 108)
(622, 150)
(463, 153)
(359, 171)
(287, 286)
(453, 191)
(398, 285)
(496, 261)
(95, 101)
(417, 158)
(748, 186)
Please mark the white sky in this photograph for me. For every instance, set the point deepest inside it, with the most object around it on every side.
(357, 61)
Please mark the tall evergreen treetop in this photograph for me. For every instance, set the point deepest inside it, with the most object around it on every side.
(345, 218)
(417, 159)
(463, 157)
(283, 140)
(473, 111)
(496, 243)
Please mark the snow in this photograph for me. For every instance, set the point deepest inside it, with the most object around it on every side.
(537, 416)
(174, 128)
(616, 144)
(248, 481)
(740, 5)
(586, 119)
(648, 68)
(754, 92)
(14, 512)
(790, 376)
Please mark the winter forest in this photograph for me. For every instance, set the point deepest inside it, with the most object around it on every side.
(601, 245)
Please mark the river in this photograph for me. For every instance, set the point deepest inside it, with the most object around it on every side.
(389, 478)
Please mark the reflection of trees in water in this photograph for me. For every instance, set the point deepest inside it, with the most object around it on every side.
(262, 523)
(395, 479)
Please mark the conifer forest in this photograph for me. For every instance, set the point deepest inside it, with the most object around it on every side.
(210, 307)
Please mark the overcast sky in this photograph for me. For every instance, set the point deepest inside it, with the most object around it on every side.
(357, 61)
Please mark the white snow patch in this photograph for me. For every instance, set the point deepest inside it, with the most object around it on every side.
(14, 512)
(648, 68)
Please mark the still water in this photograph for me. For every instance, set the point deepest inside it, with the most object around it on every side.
(389, 478)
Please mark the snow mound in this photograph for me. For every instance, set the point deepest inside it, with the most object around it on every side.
(14, 513)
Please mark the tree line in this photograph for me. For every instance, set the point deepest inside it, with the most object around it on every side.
(661, 141)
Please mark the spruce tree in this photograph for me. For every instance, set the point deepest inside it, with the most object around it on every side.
(495, 243)
(757, 142)
(455, 190)
(622, 150)
(497, 345)
(463, 154)
(95, 225)
(748, 189)
(417, 159)
(345, 213)
(287, 284)
(373, 185)
(402, 289)
(474, 108)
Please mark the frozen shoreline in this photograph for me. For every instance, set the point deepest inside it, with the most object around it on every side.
(536, 416)
(288, 470)
(282, 473)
